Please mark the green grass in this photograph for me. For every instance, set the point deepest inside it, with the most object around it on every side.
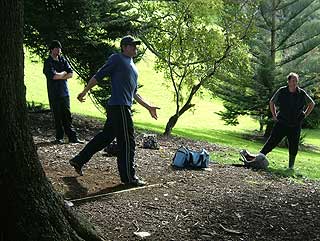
(200, 124)
(36, 84)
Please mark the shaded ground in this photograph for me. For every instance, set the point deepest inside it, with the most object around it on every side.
(221, 203)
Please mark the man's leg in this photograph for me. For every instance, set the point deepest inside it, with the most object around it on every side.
(57, 116)
(67, 119)
(101, 140)
(293, 140)
(126, 142)
(277, 134)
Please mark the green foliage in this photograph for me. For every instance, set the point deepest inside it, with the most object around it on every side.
(36, 107)
(193, 42)
(313, 120)
(86, 29)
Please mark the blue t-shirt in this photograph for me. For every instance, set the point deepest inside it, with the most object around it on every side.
(56, 88)
(124, 78)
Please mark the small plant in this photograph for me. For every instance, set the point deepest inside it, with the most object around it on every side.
(37, 107)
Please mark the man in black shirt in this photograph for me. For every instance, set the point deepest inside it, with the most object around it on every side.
(293, 104)
(57, 70)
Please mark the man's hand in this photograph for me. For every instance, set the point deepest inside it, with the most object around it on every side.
(274, 118)
(92, 82)
(81, 96)
(153, 111)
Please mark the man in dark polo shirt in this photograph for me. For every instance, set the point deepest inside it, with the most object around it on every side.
(119, 124)
(293, 104)
(57, 70)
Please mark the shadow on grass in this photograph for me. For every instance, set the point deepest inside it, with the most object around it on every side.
(286, 173)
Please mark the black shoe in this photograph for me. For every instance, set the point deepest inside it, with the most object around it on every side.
(76, 141)
(136, 183)
(77, 166)
(58, 141)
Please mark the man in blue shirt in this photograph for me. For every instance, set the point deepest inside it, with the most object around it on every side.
(57, 70)
(119, 124)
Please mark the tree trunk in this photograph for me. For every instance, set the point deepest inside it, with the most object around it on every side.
(170, 124)
(173, 119)
(30, 209)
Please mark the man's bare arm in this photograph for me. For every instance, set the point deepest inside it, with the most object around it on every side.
(273, 110)
(92, 82)
(310, 107)
(152, 109)
(59, 75)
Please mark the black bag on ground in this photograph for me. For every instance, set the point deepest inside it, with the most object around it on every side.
(150, 141)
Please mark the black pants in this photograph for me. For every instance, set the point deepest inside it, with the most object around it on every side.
(279, 131)
(118, 125)
(60, 108)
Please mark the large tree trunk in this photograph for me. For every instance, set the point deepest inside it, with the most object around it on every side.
(30, 209)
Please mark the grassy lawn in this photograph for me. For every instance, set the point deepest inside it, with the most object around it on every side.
(36, 84)
(200, 123)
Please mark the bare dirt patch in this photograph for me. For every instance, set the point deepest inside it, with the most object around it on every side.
(221, 203)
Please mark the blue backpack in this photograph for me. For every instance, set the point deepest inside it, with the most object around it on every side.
(190, 159)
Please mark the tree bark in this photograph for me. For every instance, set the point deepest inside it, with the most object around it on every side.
(173, 119)
(30, 208)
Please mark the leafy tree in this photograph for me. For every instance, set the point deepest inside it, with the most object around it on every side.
(31, 209)
(193, 41)
(287, 33)
(86, 29)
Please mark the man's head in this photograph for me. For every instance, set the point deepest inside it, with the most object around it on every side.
(293, 79)
(129, 46)
(55, 47)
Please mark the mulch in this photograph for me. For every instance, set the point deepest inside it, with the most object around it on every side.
(222, 202)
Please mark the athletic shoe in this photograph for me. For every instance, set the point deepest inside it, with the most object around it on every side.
(136, 183)
(77, 166)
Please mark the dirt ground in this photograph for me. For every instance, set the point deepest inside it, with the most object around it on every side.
(223, 202)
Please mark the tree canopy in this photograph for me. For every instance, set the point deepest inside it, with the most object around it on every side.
(193, 42)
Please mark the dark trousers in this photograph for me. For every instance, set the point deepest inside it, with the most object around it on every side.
(60, 108)
(278, 132)
(118, 125)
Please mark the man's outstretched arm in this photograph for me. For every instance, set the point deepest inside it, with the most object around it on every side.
(92, 82)
(152, 109)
